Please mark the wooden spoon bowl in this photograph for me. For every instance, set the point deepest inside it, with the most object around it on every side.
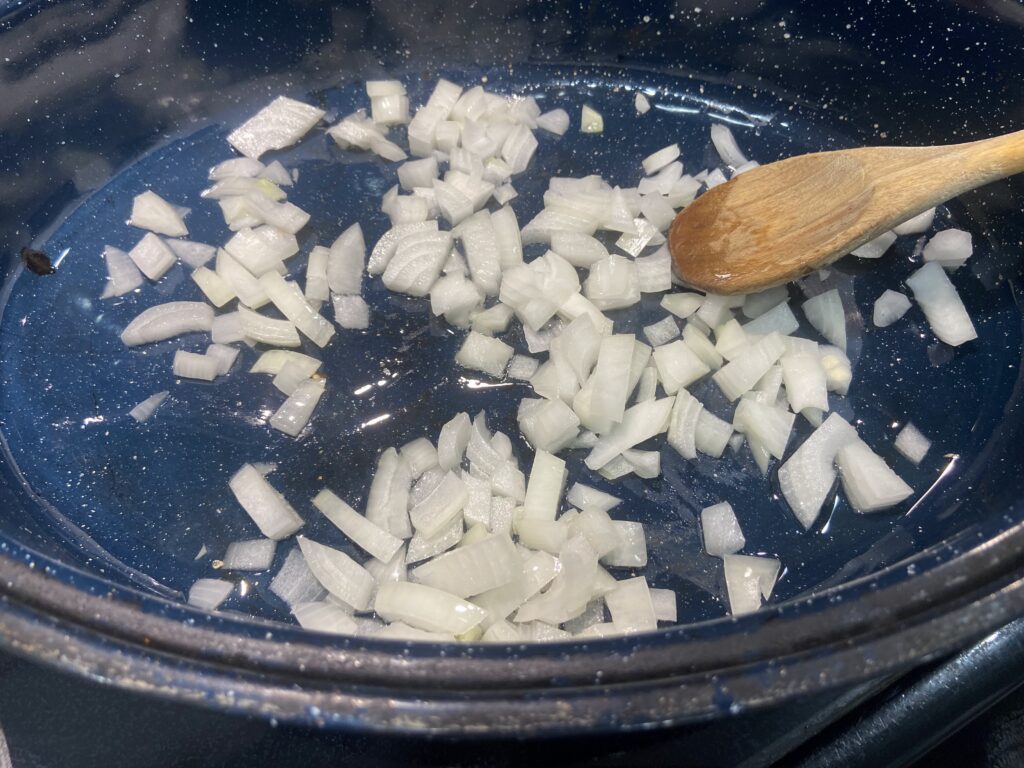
(778, 222)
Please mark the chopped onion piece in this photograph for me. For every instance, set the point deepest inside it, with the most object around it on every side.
(278, 333)
(295, 412)
(544, 490)
(548, 425)
(569, 593)
(452, 441)
(917, 224)
(484, 353)
(420, 455)
(607, 389)
(351, 312)
(889, 307)
(838, 371)
(317, 288)
(227, 329)
(208, 594)
(658, 160)
(750, 365)
(339, 574)
(279, 124)
(251, 555)
(585, 497)
(473, 568)
(825, 312)
(324, 617)
(216, 289)
(941, 304)
(641, 422)
(224, 356)
(294, 583)
(682, 426)
(122, 274)
(911, 444)
(152, 212)
(288, 299)
(678, 366)
(869, 483)
(262, 249)
(579, 249)
(875, 249)
(387, 500)
(556, 121)
(167, 320)
(646, 234)
(711, 434)
(806, 381)
(808, 476)
(665, 604)
(726, 146)
(682, 305)
(432, 515)
(417, 262)
(241, 280)
(721, 530)
(632, 550)
(641, 103)
(631, 607)
(951, 248)
(779, 318)
(591, 120)
(273, 361)
(765, 425)
(749, 580)
(152, 256)
(427, 608)
(144, 410)
(365, 534)
(268, 509)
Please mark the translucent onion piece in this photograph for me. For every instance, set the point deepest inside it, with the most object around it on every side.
(208, 594)
(339, 574)
(726, 146)
(144, 410)
(294, 413)
(869, 483)
(152, 212)
(941, 304)
(889, 307)
(951, 248)
(294, 583)
(289, 300)
(749, 580)
(808, 475)
(473, 568)
(324, 617)
(631, 607)
(122, 274)
(250, 555)
(268, 509)
(484, 353)
(167, 320)
(721, 530)
(825, 312)
(278, 333)
(152, 256)
(366, 535)
(387, 500)
(279, 124)
(911, 444)
(427, 608)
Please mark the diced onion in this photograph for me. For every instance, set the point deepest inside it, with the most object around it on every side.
(251, 555)
(889, 307)
(167, 320)
(122, 274)
(370, 537)
(279, 124)
(268, 509)
(208, 594)
(726, 146)
(152, 212)
(294, 413)
(941, 304)
(152, 256)
(144, 410)
(339, 574)
(869, 483)
(911, 444)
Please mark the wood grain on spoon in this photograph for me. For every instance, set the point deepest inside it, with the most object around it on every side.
(778, 222)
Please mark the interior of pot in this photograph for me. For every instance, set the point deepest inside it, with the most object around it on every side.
(105, 99)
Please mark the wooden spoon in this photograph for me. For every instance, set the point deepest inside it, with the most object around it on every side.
(778, 222)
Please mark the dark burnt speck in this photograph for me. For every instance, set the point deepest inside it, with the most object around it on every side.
(37, 261)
